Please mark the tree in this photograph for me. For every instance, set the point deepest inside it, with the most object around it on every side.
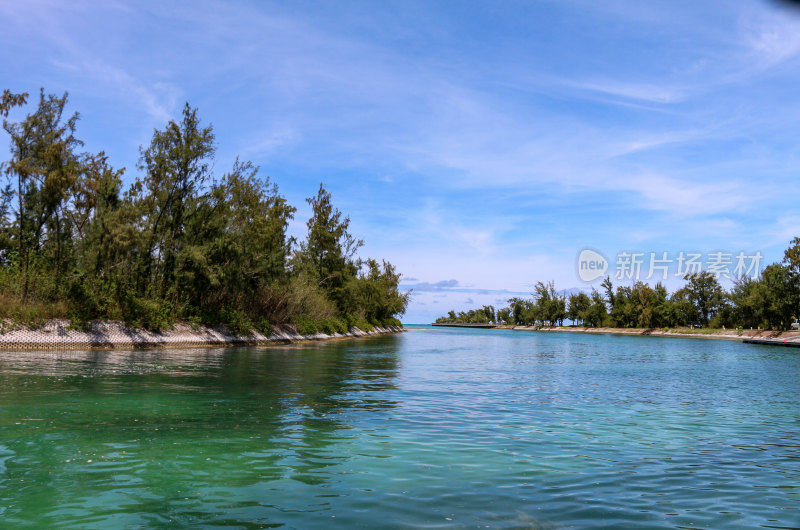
(6, 226)
(329, 251)
(683, 308)
(236, 244)
(791, 256)
(104, 231)
(623, 309)
(177, 243)
(45, 166)
(541, 301)
(704, 291)
(176, 164)
(579, 305)
(747, 298)
(780, 296)
(9, 100)
(597, 313)
(649, 305)
(557, 308)
(504, 315)
(522, 311)
(608, 287)
(792, 260)
(375, 293)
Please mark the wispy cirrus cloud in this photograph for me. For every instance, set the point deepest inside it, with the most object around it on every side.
(770, 39)
(54, 29)
(453, 286)
(659, 93)
(490, 156)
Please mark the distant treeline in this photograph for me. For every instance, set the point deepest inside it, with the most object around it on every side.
(771, 301)
(178, 244)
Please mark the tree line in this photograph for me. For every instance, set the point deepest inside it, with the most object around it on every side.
(771, 301)
(179, 243)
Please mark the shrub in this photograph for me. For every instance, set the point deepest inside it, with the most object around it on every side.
(340, 326)
(194, 321)
(349, 321)
(306, 325)
(325, 326)
(32, 314)
(90, 301)
(329, 326)
(153, 315)
(292, 300)
(264, 327)
(36, 310)
(363, 325)
(237, 322)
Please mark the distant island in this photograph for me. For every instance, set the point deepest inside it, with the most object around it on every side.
(180, 244)
(771, 301)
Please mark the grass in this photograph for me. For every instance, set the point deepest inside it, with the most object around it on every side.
(32, 313)
(154, 315)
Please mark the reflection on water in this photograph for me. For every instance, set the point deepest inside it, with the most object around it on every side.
(434, 427)
(102, 432)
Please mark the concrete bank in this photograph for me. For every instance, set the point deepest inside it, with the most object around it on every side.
(464, 325)
(56, 335)
(750, 336)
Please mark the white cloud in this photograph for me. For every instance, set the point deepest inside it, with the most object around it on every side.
(786, 228)
(279, 137)
(660, 93)
(675, 121)
(684, 198)
(770, 38)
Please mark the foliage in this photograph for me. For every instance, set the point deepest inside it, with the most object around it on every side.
(306, 325)
(8, 100)
(392, 321)
(771, 301)
(328, 253)
(579, 305)
(236, 321)
(549, 307)
(152, 314)
(363, 325)
(705, 292)
(597, 314)
(483, 315)
(43, 168)
(178, 244)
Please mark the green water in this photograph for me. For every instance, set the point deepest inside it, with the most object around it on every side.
(433, 428)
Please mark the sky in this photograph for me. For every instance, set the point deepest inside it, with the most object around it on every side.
(479, 147)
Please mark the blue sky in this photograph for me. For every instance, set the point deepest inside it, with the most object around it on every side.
(478, 146)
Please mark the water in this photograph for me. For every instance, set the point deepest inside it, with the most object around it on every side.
(433, 428)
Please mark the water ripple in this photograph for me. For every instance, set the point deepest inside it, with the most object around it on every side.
(435, 430)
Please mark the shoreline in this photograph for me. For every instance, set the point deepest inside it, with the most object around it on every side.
(762, 336)
(55, 334)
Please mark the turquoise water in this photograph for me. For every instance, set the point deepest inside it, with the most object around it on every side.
(433, 428)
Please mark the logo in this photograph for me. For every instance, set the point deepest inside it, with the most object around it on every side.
(591, 265)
